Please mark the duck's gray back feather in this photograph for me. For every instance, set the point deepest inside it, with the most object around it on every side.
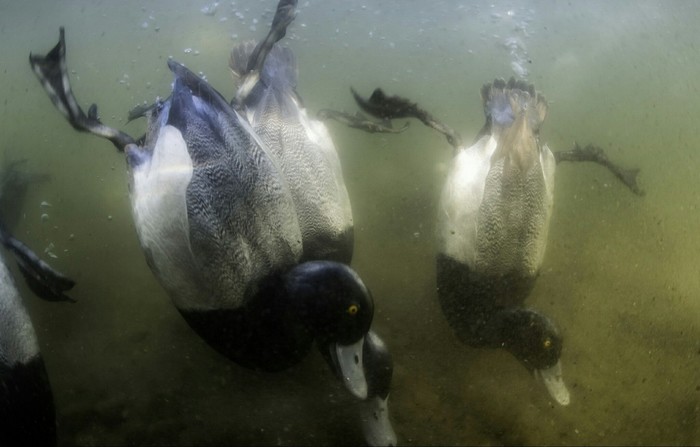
(305, 152)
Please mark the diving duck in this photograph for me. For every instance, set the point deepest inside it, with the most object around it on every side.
(27, 413)
(250, 233)
(492, 223)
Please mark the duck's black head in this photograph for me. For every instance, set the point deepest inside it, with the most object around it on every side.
(531, 337)
(336, 307)
(331, 300)
(534, 340)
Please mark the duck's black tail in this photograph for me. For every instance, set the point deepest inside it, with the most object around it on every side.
(42, 279)
(52, 72)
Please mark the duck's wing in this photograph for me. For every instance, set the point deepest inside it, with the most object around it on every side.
(213, 211)
(52, 72)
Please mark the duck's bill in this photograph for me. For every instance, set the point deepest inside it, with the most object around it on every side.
(376, 426)
(352, 372)
(553, 380)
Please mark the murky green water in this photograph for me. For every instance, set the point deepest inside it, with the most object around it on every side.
(621, 274)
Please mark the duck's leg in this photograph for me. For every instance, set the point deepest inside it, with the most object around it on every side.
(391, 107)
(597, 155)
(284, 15)
(52, 72)
(358, 121)
(41, 278)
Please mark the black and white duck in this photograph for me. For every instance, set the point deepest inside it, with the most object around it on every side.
(243, 216)
(492, 223)
(27, 413)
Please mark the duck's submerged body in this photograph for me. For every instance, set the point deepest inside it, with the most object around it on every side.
(493, 221)
(243, 216)
(215, 220)
(245, 254)
(27, 415)
(226, 205)
(494, 211)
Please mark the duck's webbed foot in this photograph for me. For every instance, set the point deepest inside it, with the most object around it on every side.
(143, 110)
(47, 283)
(358, 121)
(597, 155)
(52, 72)
(392, 107)
(284, 16)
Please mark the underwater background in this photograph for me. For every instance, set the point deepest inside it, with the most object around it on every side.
(621, 275)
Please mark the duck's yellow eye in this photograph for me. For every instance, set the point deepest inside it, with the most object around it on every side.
(353, 309)
(547, 342)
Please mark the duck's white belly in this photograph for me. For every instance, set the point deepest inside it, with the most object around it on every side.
(159, 206)
(460, 200)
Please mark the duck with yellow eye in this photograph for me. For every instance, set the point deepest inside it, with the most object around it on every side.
(243, 216)
(493, 220)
